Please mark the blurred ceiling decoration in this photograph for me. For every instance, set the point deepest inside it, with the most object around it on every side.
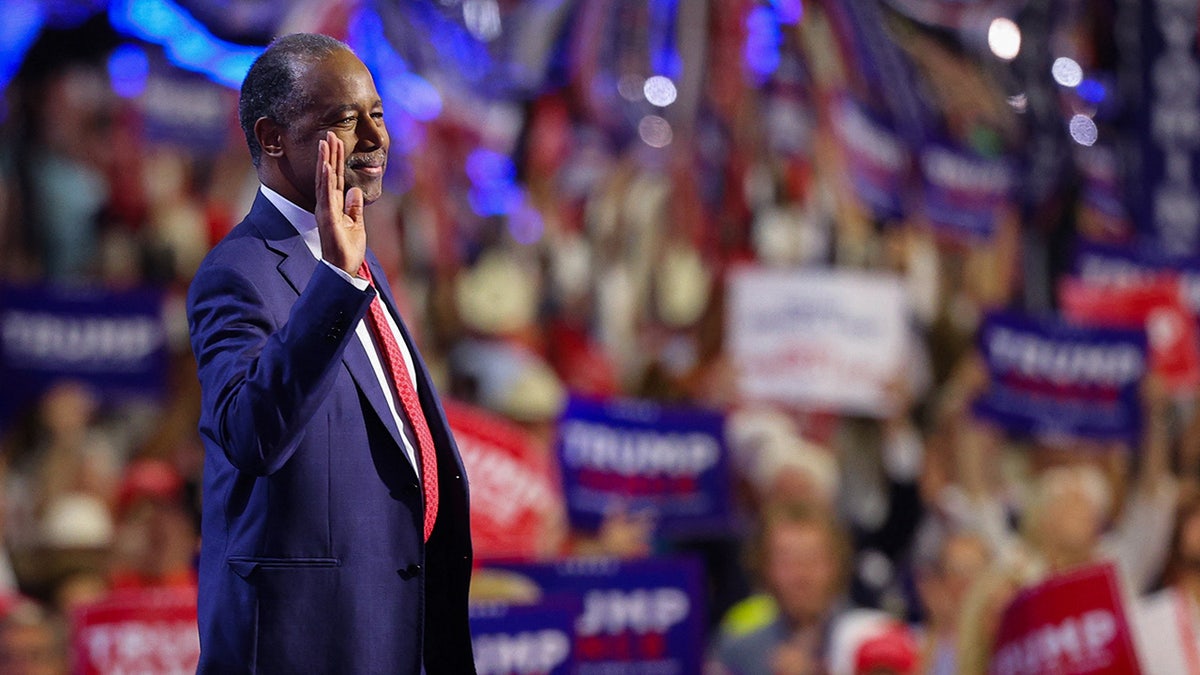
(186, 41)
(247, 22)
(955, 15)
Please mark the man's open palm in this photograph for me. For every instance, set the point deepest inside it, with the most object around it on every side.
(339, 213)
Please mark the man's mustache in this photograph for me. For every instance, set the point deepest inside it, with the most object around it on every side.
(377, 158)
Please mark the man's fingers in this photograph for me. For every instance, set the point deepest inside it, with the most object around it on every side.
(339, 161)
(354, 205)
(323, 171)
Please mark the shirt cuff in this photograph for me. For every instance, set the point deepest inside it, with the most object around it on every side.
(360, 284)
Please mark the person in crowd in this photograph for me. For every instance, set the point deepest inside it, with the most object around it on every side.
(804, 555)
(155, 542)
(1065, 526)
(334, 494)
(943, 583)
(1167, 622)
(32, 641)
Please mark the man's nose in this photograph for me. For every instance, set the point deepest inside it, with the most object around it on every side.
(371, 133)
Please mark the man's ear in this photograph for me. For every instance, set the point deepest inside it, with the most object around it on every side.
(270, 136)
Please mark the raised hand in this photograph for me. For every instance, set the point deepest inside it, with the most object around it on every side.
(339, 212)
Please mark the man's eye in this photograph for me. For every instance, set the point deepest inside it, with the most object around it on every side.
(346, 121)
(377, 115)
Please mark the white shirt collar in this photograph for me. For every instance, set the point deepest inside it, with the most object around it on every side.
(304, 222)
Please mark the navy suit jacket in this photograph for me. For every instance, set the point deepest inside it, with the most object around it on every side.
(312, 559)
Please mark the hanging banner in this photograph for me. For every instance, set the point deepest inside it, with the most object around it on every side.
(638, 457)
(525, 639)
(637, 617)
(114, 341)
(1052, 378)
(1154, 305)
(1160, 85)
(817, 338)
(963, 193)
(1071, 624)
(515, 493)
(137, 631)
(876, 161)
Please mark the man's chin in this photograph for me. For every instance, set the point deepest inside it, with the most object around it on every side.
(372, 190)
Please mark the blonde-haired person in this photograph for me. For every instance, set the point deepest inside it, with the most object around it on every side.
(1065, 525)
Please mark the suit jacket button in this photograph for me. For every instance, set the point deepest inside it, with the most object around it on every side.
(410, 571)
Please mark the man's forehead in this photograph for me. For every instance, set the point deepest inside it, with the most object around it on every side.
(319, 80)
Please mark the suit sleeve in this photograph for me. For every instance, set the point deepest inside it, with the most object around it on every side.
(260, 381)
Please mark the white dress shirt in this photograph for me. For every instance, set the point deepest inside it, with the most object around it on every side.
(306, 224)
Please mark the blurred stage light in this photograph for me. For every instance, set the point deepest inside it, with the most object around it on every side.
(20, 23)
(1083, 130)
(763, 41)
(401, 89)
(128, 67)
(187, 43)
(1067, 72)
(790, 11)
(660, 91)
(1004, 38)
(655, 131)
(1019, 102)
(494, 190)
(1092, 91)
(482, 18)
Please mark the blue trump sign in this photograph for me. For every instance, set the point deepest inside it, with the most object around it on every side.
(637, 617)
(1049, 377)
(510, 639)
(114, 341)
(640, 456)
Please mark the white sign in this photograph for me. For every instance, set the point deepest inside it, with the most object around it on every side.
(817, 338)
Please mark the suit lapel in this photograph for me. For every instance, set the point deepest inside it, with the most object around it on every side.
(296, 267)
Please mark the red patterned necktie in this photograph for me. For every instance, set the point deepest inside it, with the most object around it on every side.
(393, 360)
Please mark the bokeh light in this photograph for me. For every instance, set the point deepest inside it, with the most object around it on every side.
(1083, 130)
(1004, 38)
(655, 131)
(128, 67)
(1067, 71)
(660, 91)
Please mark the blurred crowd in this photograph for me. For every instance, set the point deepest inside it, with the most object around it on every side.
(865, 545)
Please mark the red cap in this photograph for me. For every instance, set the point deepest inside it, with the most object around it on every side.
(893, 649)
(153, 479)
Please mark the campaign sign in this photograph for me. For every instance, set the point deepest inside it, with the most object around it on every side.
(1135, 264)
(1049, 377)
(515, 492)
(963, 192)
(817, 338)
(524, 639)
(114, 341)
(1155, 305)
(184, 108)
(639, 456)
(137, 631)
(1071, 624)
(637, 617)
(876, 160)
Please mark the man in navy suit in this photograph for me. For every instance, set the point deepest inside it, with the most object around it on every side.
(321, 549)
